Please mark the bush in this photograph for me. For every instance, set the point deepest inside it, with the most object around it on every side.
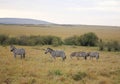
(89, 39)
(3, 39)
(47, 40)
(12, 40)
(23, 40)
(101, 45)
(37, 40)
(56, 41)
(31, 40)
(79, 76)
(55, 72)
(116, 46)
(113, 46)
(74, 40)
(109, 46)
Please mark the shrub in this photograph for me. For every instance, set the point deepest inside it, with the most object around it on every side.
(109, 46)
(56, 41)
(3, 39)
(47, 40)
(74, 40)
(23, 40)
(101, 45)
(116, 46)
(12, 40)
(113, 45)
(55, 72)
(79, 76)
(89, 39)
(35, 40)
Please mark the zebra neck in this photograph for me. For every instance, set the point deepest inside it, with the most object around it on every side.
(51, 52)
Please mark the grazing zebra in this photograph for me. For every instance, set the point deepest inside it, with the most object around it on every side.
(56, 53)
(94, 55)
(16, 51)
(79, 54)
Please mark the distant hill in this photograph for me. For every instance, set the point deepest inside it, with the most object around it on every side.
(22, 21)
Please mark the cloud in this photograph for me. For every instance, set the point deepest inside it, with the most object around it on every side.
(21, 13)
(109, 3)
(106, 5)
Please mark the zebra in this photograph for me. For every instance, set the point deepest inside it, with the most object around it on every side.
(94, 54)
(16, 51)
(56, 53)
(79, 54)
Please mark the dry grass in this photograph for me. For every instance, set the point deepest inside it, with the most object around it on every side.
(39, 68)
(106, 33)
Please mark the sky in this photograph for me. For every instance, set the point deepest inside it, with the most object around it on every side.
(88, 12)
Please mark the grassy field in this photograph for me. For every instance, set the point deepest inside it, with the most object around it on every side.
(103, 32)
(40, 68)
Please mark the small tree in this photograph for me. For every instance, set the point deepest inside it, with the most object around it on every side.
(89, 39)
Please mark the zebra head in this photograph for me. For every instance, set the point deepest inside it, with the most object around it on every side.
(12, 48)
(48, 50)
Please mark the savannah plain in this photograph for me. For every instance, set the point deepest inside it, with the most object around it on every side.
(40, 68)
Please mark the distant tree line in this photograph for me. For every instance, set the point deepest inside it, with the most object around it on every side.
(87, 39)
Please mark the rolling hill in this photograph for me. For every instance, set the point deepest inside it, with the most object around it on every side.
(22, 21)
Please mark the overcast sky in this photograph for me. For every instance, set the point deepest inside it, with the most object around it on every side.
(91, 12)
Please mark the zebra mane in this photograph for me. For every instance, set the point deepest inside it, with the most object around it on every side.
(13, 47)
(50, 49)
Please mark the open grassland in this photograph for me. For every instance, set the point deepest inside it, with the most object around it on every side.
(40, 68)
(103, 32)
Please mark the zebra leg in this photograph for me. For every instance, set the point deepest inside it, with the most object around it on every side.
(85, 57)
(14, 55)
(64, 58)
(92, 58)
(54, 58)
(97, 58)
(23, 55)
